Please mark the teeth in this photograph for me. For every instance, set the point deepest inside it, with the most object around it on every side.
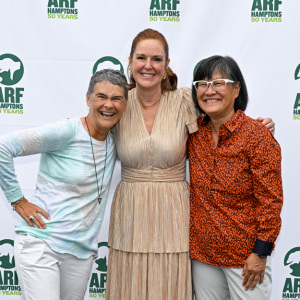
(106, 113)
(211, 100)
(147, 75)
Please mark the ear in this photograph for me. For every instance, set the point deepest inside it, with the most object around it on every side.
(167, 64)
(237, 89)
(88, 102)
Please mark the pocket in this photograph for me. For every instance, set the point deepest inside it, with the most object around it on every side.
(31, 249)
(20, 241)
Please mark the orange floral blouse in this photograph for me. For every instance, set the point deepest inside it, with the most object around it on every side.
(236, 192)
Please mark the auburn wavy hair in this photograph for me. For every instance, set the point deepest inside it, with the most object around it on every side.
(168, 84)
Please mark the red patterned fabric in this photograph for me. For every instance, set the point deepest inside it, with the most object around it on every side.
(236, 191)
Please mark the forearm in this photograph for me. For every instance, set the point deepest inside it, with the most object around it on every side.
(9, 148)
(267, 190)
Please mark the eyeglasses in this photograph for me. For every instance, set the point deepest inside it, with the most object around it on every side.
(218, 85)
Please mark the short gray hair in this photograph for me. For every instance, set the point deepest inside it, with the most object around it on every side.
(110, 75)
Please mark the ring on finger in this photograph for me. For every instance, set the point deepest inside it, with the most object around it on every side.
(31, 217)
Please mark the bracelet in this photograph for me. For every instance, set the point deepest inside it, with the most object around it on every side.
(13, 204)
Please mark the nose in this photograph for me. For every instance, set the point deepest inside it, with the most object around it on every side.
(210, 89)
(108, 103)
(148, 64)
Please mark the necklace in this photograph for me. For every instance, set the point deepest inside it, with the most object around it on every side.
(99, 191)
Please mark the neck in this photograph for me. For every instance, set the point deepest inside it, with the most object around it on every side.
(217, 121)
(91, 128)
(148, 98)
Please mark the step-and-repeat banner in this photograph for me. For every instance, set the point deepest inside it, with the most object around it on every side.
(50, 48)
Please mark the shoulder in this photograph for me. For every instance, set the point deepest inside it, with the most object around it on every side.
(62, 127)
(181, 96)
(258, 133)
(182, 92)
(253, 126)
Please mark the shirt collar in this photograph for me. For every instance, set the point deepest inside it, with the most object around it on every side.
(234, 123)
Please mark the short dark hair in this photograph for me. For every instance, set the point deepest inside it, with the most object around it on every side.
(113, 76)
(228, 67)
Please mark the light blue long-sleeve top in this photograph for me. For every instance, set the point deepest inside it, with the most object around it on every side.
(66, 186)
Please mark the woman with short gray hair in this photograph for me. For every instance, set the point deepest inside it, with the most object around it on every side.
(56, 240)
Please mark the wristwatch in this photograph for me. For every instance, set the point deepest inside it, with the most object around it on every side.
(261, 255)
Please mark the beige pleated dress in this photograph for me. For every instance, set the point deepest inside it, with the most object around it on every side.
(149, 225)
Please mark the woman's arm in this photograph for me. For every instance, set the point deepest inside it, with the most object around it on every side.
(265, 161)
(46, 138)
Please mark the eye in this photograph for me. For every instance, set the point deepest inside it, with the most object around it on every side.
(100, 96)
(140, 57)
(158, 59)
(202, 84)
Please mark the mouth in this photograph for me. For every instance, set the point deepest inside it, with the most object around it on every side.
(211, 100)
(147, 75)
(106, 114)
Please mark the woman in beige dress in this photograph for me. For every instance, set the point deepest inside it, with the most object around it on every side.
(149, 227)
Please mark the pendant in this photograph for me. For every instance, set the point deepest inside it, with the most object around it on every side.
(99, 199)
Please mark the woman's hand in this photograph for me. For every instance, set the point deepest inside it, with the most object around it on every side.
(253, 271)
(26, 209)
(268, 122)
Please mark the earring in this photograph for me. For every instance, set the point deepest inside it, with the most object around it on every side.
(130, 71)
(165, 75)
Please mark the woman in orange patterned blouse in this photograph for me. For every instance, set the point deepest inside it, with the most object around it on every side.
(236, 189)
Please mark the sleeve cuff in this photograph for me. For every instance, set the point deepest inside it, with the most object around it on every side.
(262, 247)
(13, 194)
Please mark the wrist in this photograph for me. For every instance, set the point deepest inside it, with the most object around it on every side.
(261, 255)
(14, 204)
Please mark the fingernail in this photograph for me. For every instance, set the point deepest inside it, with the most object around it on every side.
(44, 226)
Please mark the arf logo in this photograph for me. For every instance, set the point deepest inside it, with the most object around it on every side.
(7, 260)
(97, 286)
(11, 72)
(62, 9)
(266, 11)
(108, 62)
(296, 110)
(9, 282)
(292, 259)
(11, 69)
(164, 4)
(197, 66)
(297, 72)
(164, 10)
(291, 287)
(62, 3)
(267, 5)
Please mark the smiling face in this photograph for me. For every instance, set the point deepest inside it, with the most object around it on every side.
(107, 104)
(219, 105)
(148, 64)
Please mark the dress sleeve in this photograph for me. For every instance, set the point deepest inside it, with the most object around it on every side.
(42, 139)
(190, 112)
(265, 163)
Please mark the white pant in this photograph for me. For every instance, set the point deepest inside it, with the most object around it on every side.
(48, 275)
(219, 283)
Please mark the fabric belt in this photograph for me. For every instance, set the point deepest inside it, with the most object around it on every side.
(176, 173)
